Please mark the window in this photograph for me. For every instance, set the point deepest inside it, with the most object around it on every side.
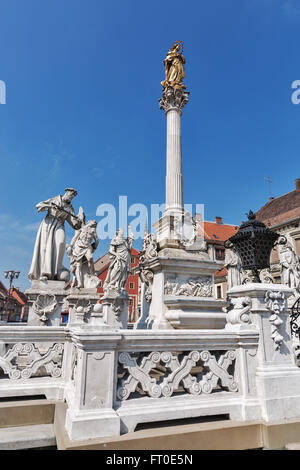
(219, 292)
(131, 285)
(220, 253)
(132, 260)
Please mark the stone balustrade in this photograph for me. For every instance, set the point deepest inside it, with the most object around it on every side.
(113, 379)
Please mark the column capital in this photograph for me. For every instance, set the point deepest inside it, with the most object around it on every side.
(173, 98)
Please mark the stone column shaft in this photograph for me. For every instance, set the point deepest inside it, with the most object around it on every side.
(172, 102)
(174, 186)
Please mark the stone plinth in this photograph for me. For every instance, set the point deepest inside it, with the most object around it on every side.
(183, 292)
(91, 389)
(84, 307)
(46, 302)
(277, 378)
(115, 308)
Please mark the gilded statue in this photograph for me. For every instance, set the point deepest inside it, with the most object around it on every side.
(174, 67)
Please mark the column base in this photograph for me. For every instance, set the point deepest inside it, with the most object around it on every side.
(82, 425)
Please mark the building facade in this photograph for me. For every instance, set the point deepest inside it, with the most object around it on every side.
(282, 214)
(215, 234)
(13, 305)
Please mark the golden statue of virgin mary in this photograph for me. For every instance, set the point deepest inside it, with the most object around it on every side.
(174, 67)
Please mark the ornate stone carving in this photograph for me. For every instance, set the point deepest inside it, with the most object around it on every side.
(120, 266)
(239, 312)
(80, 252)
(50, 240)
(138, 375)
(146, 276)
(173, 99)
(199, 287)
(51, 360)
(44, 306)
(289, 264)
(149, 250)
(233, 264)
(265, 276)
(218, 371)
(275, 302)
(213, 371)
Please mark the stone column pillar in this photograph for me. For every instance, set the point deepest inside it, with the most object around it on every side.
(172, 102)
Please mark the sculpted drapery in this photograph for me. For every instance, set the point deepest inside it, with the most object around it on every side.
(174, 67)
(49, 246)
(120, 266)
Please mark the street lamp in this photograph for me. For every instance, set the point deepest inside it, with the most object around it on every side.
(254, 243)
(11, 275)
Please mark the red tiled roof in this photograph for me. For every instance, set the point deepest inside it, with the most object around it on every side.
(280, 209)
(102, 263)
(221, 273)
(19, 296)
(218, 232)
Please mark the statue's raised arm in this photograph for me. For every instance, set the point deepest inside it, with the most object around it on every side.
(50, 241)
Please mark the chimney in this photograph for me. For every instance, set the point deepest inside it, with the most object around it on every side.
(297, 181)
(218, 220)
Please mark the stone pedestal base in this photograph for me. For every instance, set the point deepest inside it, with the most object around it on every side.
(277, 378)
(84, 307)
(83, 425)
(115, 308)
(46, 302)
(165, 229)
(183, 292)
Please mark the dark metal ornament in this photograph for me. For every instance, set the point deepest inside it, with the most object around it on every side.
(254, 243)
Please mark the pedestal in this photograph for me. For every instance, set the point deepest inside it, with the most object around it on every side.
(115, 308)
(183, 292)
(90, 393)
(277, 378)
(84, 307)
(46, 302)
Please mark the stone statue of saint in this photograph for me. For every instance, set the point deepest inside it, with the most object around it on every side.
(233, 264)
(80, 252)
(50, 243)
(149, 250)
(174, 67)
(120, 266)
(290, 266)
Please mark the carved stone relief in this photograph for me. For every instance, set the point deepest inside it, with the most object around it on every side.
(193, 287)
(173, 370)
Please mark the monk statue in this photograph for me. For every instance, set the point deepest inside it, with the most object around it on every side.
(50, 243)
(174, 67)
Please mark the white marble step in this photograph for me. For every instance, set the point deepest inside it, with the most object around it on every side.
(292, 446)
(27, 437)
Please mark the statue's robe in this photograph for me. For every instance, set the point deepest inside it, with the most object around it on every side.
(233, 265)
(120, 267)
(50, 241)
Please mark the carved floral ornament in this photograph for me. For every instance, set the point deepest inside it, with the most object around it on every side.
(275, 302)
(177, 371)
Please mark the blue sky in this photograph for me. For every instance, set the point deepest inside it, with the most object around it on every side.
(83, 83)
